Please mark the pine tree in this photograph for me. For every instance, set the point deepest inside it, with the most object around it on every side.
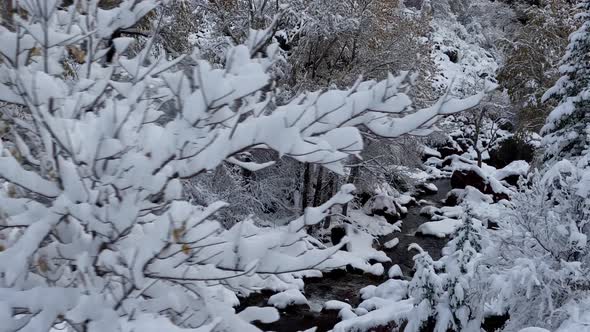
(567, 128)
(426, 289)
(459, 261)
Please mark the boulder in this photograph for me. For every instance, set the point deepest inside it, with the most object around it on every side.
(383, 205)
(428, 152)
(512, 179)
(446, 151)
(509, 150)
(506, 124)
(463, 178)
(453, 197)
(512, 172)
(337, 234)
(290, 300)
(427, 188)
(500, 196)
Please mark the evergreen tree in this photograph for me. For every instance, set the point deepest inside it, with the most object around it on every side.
(460, 258)
(567, 128)
(426, 289)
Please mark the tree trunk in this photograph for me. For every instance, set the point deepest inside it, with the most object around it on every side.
(479, 157)
(305, 190)
(317, 198)
(351, 178)
(332, 190)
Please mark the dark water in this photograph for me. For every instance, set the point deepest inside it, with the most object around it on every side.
(345, 286)
(433, 245)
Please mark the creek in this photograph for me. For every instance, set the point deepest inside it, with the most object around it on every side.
(345, 285)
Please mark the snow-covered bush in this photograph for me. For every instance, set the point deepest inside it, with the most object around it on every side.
(566, 128)
(449, 299)
(426, 289)
(539, 259)
(461, 308)
(96, 232)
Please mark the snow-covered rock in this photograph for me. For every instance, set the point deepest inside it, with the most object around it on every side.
(429, 210)
(287, 298)
(440, 228)
(513, 172)
(381, 204)
(391, 243)
(430, 152)
(336, 305)
(395, 272)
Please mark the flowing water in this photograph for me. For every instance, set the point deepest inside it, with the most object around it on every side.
(345, 286)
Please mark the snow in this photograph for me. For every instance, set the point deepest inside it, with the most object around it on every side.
(430, 152)
(374, 225)
(263, 315)
(380, 203)
(395, 272)
(578, 317)
(104, 190)
(440, 228)
(430, 187)
(336, 305)
(391, 243)
(517, 167)
(429, 210)
(287, 298)
(361, 245)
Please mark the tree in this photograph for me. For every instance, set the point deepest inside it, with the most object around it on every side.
(566, 127)
(426, 289)
(538, 263)
(97, 234)
(483, 132)
(461, 308)
(531, 59)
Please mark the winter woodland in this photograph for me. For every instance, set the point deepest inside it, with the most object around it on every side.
(294, 165)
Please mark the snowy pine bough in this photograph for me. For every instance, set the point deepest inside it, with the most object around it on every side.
(95, 234)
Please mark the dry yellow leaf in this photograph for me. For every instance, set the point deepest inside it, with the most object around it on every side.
(42, 264)
(77, 54)
(177, 233)
(35, 51)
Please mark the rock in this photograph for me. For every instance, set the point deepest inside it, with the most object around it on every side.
(395, 272)
(392, 243)
(453, 197)
(428, 188)
(446, 151)
(509, 150)
(506, 125)
(453, 55)
(429, 211)
(429, 152)
(405, 200)
(337, 234)
(291, 300)
(386, 206)
(335, 306)
(492, 225)
(495, 322)
(500, 196)
(512, 179)
(463, 178)
(512, 172)
(353, 270)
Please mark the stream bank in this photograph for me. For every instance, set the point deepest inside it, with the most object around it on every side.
(344, 285)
